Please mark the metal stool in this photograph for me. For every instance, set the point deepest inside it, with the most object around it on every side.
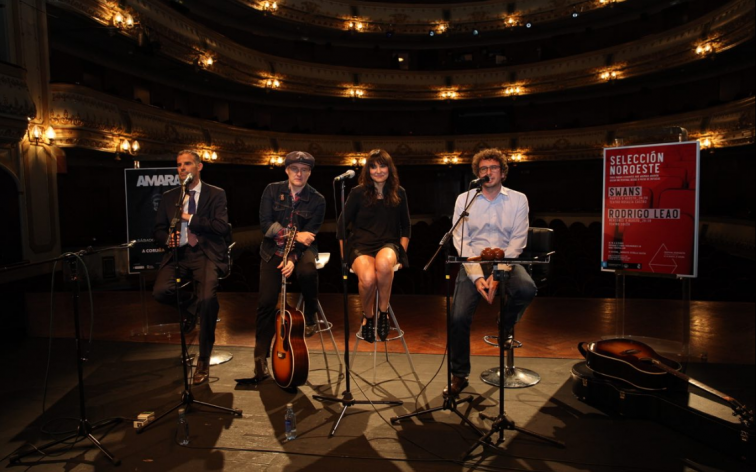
(395, 332)
(514, 377)
(320, 318)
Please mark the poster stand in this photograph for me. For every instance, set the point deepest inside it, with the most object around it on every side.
(679, 350)
(674, 347)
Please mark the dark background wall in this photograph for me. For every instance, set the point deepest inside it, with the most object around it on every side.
(92, 212)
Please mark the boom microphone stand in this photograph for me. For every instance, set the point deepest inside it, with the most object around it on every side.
(187, 398)
(347, 399)
(450, 401)
(85, 428)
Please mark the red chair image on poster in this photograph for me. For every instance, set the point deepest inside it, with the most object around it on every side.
(685, 200)
(667, 244)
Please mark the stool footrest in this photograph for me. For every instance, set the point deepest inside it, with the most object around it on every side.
(489, 340)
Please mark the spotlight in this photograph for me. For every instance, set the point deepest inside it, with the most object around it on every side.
(575, 13)
(475, 32)
(528, 25)
(431, 33)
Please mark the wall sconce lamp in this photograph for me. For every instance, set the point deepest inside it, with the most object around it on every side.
(355, 25)
(272, 84)
(356, 93)
(123, 21)
(516, 157)
(451, 160)
(511, 21)
(513, 91)
(609, 75)
(706, 143)
(705, 49)
(449, 95)
(35, 135)
(442, 28)
(125, 146)
(275, 161)
(269, 7)
(209, 155)
(204, 61)
(358, 161)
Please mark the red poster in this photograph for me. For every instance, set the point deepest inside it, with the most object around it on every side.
(650, 217)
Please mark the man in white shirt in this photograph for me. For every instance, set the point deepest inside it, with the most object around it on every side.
(497, 219)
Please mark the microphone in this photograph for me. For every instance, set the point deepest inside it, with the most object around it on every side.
(346, 175)
(189, 178)
(480, 181)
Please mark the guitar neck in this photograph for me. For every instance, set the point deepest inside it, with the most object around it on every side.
(692, 381)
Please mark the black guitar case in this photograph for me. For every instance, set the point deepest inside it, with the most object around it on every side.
(673, 408)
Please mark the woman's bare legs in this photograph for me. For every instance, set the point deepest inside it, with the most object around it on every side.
(385, 261)
(364, 267)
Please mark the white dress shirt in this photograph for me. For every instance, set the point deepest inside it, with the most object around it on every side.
(185, 224)
(501, 222)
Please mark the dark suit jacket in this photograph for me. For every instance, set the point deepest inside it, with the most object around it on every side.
(209, 223)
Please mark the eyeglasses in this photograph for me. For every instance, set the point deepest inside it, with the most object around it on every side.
(492, 169)
(300, 170)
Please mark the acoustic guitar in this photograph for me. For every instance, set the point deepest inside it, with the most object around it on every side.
(290, 358)
(639, 365)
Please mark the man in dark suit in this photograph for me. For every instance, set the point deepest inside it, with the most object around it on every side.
(202, 238)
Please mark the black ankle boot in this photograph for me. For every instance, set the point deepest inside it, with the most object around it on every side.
(368, 329)
(383, 325)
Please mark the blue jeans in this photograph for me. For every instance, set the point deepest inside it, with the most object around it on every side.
(521, 291)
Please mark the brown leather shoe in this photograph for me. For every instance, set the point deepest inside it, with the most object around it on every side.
(310, 330)
(201, 373)
(457, 385)
(261, 369)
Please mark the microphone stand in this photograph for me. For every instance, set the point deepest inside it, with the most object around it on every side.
(502, 421)
(450, 401)
(187, 398)
(85, 428)
(347, 399)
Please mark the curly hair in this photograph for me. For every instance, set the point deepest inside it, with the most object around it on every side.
(491, 154)
(391, 188)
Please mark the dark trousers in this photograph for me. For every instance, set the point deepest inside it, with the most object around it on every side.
(270, 289)
(203, 300)
(521, 290)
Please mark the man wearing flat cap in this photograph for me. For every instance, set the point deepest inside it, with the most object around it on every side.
(285, 205)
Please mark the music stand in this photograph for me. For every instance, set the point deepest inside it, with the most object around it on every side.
(187, 398)
(347, 399)
(85, 428)
(502, 422)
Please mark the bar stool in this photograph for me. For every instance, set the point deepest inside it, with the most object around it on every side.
(395, 332)
(324, 326)
(514, 377)
(540, 241)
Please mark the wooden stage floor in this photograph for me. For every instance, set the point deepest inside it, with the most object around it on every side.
(720, 332)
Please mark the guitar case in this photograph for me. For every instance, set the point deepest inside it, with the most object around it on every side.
(706, 421)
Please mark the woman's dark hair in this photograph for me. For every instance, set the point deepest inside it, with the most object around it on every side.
(391, 188)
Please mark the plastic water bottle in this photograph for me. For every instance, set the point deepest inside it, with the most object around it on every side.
(290, 422)
(182, 433)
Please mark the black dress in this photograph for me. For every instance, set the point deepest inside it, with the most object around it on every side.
(373, 227)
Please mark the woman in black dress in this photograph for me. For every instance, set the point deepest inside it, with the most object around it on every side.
(377, 218)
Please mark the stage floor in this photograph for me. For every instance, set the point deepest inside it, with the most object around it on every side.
(133, 366)
(123, 379)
